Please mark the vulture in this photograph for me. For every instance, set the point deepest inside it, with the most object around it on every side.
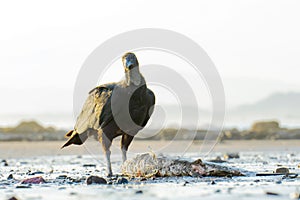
(115, 109)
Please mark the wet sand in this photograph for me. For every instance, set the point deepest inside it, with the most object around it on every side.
(47, 148)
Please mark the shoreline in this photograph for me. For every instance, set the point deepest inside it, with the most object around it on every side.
(22, 149)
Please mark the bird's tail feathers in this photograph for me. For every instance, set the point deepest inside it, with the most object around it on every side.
(75, 138)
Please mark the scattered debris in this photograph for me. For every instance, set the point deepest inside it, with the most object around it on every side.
(149, 165)
(95, 180)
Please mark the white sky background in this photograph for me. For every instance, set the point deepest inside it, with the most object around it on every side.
(255, 45)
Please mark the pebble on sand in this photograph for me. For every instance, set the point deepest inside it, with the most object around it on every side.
(12, 198)
(10, 176)
(62, 177)
(4, 163)
(34, 180)
(272, 193)
(218, 159)
(122, 181)
(282, 170)
(23, 186)
(95, 180)
(89, 165)
(231, 156)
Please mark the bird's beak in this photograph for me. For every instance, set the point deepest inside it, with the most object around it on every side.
(129, 64)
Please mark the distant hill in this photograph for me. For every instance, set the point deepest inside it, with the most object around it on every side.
(32, 131)
(277, 105)
(282, 107)
(28, 127)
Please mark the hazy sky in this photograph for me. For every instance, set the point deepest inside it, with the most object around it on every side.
(254, 44)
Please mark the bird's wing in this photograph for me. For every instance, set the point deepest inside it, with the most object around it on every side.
(150, 106)
(93, 108)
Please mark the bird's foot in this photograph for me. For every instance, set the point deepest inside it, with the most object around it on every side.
(109, 175)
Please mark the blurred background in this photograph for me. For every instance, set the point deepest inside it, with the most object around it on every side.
(255, 46)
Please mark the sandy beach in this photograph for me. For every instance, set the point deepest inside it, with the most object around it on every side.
(65, 171)
(47, 148)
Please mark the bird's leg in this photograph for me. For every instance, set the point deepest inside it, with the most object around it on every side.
(125, 142)
(106, 143)
(108, 169)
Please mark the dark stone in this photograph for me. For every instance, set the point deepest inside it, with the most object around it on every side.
(109, 183)
(185, 183)
(292, 175)
(272, 193)
(213, 182)
(95, 180)
(10, 177)
(62, 177)
(217, 160)
(34, 180)
(35, 173)
(231, 156)
(12, 198)
(4, 163)
(89, 165)
(282, 170)
(23, 186)
(139, 192)
(122, 180)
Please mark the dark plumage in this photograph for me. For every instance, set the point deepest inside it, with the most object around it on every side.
(115, 109)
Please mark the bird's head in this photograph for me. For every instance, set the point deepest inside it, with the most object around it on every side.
(129, 61)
